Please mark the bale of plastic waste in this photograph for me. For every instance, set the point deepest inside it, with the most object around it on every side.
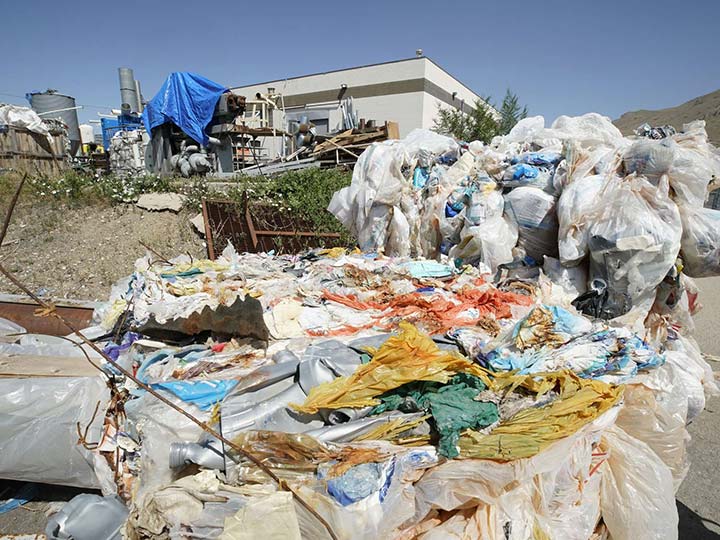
(490, 243)
(700, 245)
(533, 210)
(695, 165)
(633, 241)
(573, 209)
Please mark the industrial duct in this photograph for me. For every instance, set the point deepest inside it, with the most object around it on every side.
(128, 93)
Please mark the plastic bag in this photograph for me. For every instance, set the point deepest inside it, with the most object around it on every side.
(573, 211)
(523, 174)
(648, 158)
(533, 211)
(643, 417)
(637, 499)
(695, 165)
(634, 240)
(38, 419)
(398, 241)
(700, 246)
(491, 243)
(573, 280)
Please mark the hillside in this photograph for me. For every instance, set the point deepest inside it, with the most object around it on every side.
(705, 107)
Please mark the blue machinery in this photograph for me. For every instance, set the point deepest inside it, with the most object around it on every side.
(123, 122)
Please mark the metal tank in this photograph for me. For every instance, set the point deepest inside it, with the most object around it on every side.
(49, 102)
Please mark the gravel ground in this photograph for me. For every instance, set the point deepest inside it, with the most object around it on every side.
(699, 495)
(698, 499)
(80, 252)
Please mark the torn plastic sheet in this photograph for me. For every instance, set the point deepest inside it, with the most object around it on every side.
(51, 408)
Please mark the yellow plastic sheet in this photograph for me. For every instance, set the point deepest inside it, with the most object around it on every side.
(409, 356)
(532, 430)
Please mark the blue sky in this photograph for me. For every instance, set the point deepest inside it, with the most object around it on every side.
(560, 57)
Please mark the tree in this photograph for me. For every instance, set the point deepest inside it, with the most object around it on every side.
(483, 121)
(510, 112)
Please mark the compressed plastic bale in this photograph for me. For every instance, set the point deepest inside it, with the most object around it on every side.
(649, 158)
(634, 240)
(573, 213)
(573, 279)
(533, 210)
(38, 422)
(550, 495)
(374, 232)
(637, 499)
(643, 416)
(486, 203)
(700, 244)
(398, 240)
(694, 166)
(490, 243)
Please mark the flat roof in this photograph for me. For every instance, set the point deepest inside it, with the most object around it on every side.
(414, 58)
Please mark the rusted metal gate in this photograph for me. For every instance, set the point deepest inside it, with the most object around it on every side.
(256, 228)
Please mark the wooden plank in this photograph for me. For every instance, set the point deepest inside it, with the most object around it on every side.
(393, 130)
(24, 366)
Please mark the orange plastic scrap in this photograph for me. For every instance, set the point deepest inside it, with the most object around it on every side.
(349, 300)
(532, 430)
(437, 312)
(408, 356)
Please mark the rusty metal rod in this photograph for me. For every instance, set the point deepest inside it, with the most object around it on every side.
(13, 202)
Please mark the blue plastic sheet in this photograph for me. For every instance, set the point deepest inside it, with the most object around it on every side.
(186, 99)
(204, 394)
(428, 269)
(27, 492)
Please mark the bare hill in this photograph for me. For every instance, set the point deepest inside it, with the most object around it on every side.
(705, 107)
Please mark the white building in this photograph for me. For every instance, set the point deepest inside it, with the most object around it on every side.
(405, 91)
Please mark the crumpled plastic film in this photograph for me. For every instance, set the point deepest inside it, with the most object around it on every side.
(532, 430)
(406, 357)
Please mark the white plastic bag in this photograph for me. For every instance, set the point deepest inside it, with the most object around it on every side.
(634, 240)
(573, 280)
(700, 246)
(38, 429)
(694, 166)
(573, 211)
(398, 242)
(490, 243)
(637, 499)
(533, 210)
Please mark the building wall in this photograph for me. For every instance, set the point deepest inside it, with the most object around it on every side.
(407, 92)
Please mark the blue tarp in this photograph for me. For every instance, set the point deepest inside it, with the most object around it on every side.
(187, 100)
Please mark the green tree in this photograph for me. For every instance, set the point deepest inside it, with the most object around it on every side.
(510, 112)
(483, 121)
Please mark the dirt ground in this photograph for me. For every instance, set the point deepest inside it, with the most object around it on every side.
(66, 252)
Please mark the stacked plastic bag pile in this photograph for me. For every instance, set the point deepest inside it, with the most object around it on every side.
(509, 357)
(616, 211)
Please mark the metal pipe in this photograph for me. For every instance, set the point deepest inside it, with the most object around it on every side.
(60, 110)
(138, 96)
(128, 96)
